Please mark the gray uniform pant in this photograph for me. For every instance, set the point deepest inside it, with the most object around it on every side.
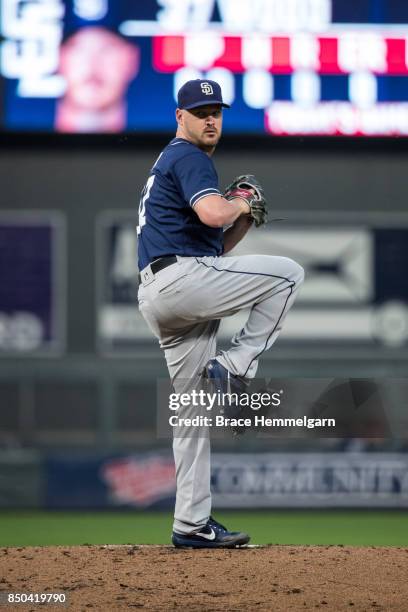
(183, 305)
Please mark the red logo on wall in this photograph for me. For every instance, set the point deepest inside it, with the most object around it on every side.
(140, 482)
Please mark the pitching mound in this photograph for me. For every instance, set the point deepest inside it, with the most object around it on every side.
(162, 578)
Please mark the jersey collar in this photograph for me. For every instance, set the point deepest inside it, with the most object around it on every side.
(178, 140)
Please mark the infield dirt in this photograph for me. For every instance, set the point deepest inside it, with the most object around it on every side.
(278, 578)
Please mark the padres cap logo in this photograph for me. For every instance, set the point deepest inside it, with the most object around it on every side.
(207, 89)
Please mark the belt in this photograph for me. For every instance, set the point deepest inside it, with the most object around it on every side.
(160, 264)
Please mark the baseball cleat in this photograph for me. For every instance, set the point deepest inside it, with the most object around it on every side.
(212, 535)
(223, 381)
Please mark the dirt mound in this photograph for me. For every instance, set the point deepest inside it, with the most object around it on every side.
(278, 578)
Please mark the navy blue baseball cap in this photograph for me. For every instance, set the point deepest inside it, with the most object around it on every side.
(199, 92)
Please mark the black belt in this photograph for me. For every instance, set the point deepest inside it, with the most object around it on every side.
(160, 264)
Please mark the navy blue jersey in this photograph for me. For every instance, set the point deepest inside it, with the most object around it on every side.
(168, 225)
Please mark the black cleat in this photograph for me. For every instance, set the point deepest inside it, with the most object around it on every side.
(223, 382)
(213, 535)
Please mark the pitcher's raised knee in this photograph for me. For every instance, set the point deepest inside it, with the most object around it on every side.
(297, 273)
(288, 268)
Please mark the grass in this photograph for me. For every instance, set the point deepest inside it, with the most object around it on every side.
(360, 528)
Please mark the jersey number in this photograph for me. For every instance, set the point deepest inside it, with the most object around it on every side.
(142, 205)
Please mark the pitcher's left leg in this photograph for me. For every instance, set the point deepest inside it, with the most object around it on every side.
(276, 282)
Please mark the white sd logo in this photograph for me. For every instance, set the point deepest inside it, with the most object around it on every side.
(207, 89)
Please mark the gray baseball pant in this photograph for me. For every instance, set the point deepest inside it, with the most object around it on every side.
(183, 304)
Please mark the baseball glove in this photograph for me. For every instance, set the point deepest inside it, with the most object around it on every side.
(248, 188)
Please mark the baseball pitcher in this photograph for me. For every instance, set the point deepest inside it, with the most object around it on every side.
(187, 286)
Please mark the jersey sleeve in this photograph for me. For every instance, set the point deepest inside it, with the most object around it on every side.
(197, 177)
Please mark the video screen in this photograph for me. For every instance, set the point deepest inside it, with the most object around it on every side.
(287, 67)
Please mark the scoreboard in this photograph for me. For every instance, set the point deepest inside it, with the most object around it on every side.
(288, 67)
